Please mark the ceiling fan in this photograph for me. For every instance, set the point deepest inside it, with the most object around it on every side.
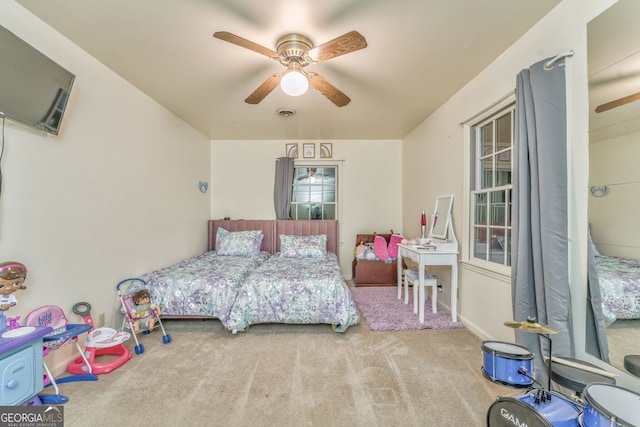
(618, 102)
(295, 52)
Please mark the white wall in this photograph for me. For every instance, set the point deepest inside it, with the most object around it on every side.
(115, 195)
(614, 218)
(242, 176)
(485, 298)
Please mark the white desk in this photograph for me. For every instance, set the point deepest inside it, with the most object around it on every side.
(425, 257)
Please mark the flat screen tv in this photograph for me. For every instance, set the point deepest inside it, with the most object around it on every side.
(33, 89)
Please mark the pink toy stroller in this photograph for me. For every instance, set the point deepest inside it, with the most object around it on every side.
(139, 316)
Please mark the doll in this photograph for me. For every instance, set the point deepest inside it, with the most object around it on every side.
(359, 251)
(12, 277)
(141, 312)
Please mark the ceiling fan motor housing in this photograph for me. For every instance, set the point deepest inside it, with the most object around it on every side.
(294, 47)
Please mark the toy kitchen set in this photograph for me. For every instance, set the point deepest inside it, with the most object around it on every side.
(21, 368)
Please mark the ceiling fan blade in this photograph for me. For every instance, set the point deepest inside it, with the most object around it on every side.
(327, 89)
(618, 102)
(346, 43)
(247, 44)
(264, 89)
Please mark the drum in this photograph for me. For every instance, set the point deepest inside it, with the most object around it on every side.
(557, 411)
(608, 405)
(502, 362)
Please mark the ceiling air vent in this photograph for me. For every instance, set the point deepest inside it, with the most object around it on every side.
(285, 112)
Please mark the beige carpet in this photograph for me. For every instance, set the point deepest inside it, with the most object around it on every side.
(624, 338)
(285, 375)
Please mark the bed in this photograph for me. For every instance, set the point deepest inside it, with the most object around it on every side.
(237, 283)
(206, 285)
(619, 280)
(300, 284)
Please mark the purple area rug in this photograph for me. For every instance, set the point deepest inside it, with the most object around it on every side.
(383, 311)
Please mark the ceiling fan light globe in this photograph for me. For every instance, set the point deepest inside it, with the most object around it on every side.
(294, 83)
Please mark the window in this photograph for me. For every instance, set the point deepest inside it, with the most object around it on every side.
(314, 192)
(491, 187)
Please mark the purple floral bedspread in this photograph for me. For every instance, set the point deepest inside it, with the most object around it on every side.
(204, 285)
(619, 287)
(295, 291)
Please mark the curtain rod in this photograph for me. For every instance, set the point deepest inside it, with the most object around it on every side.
(551, 63)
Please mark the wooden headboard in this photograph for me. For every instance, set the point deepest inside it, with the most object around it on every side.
(272, 229)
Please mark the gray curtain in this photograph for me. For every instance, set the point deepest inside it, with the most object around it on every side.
(282, 187)
(540, 258)
(596, 334)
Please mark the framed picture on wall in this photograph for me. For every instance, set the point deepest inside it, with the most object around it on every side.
(326, 150)
(308, 151)
(292, 150)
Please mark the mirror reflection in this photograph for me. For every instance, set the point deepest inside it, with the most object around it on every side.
(314, 193)
(614, 176)
(441, 217)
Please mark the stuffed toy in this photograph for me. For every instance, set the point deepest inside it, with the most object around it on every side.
(370, 254)
(365, 251)
(380, 250)
(394, 240)
(380, 246)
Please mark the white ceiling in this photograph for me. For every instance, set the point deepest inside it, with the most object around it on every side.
(419, 54)
(614, 70)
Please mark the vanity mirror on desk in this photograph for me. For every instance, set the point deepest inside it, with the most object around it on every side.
(440, 249)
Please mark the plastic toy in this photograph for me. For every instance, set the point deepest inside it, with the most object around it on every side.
(12, 277)
(13, 322)
(100, 342)
(63, 333)
(126, 291)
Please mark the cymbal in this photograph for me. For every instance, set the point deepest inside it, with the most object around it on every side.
(531, 326)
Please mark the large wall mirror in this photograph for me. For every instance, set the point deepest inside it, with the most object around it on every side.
(614, 172)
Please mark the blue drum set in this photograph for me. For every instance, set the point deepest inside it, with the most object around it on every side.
(597, 401)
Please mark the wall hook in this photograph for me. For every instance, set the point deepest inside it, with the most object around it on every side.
(203, 186)
(599, 190)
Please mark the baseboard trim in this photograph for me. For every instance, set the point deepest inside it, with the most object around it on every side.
(358, 285)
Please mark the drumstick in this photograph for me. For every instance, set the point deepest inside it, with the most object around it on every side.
(591, 369)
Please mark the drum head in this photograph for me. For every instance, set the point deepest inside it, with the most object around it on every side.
(509, 412)
(507, 350)
(611, 402)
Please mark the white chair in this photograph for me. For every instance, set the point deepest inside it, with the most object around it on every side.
(430, 279)
(407, 272)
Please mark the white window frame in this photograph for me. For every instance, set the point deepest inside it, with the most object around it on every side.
(500, 270)
(338, 164)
